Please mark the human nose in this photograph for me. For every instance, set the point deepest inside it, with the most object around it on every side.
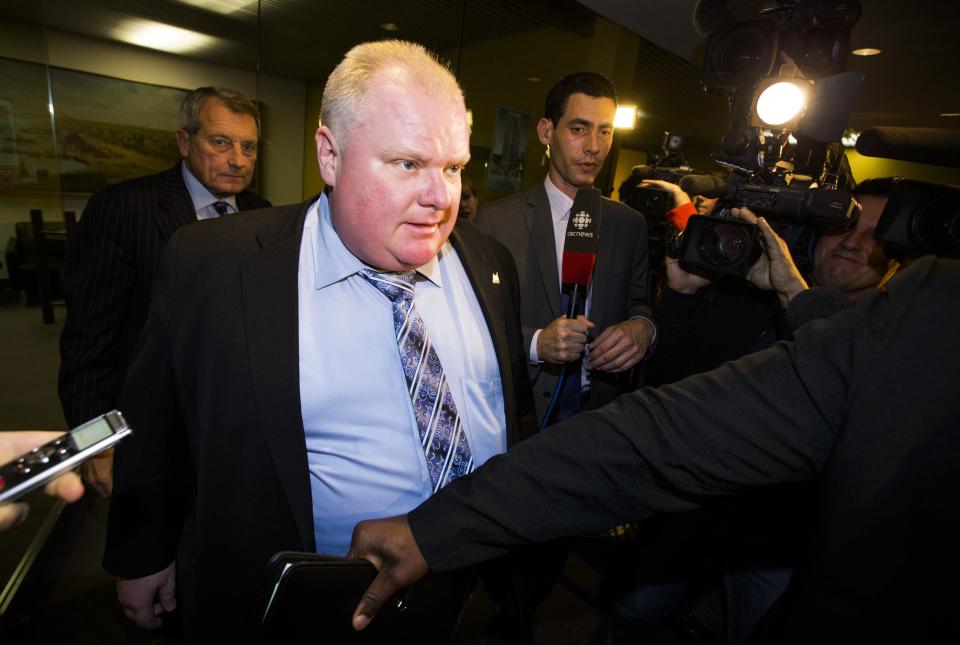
(593, 142)
(855, 239)
(436, 191)
(236, 157)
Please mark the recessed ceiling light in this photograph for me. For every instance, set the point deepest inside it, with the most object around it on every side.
(390, 26)
(866, 51)
(225, 7)
(950, 114)
(166, 38)
(533, 79)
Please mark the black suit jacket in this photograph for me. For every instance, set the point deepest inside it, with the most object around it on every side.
(215, 474)
(524, 224)
(865, 403)
(109, 278)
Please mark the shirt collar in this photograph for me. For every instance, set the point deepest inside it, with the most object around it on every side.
(337, 261)
(199, 194)
(560, 203)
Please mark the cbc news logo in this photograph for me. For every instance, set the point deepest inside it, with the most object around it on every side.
(581, 220)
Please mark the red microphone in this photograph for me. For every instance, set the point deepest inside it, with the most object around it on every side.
(580, 247)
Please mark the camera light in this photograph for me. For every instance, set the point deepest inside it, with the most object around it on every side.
(626, 117)
(781, 103)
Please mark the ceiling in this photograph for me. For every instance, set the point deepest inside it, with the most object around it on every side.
(910, 83)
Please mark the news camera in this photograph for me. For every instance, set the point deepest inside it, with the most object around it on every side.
(667, 165)
(920, 218)
(781, 65)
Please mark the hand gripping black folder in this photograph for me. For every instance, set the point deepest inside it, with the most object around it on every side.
(312, 598)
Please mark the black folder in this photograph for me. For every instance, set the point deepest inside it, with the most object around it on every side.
(312, 597)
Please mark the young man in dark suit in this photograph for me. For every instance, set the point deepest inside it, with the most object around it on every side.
(616, 331)
(121, 237)
(283, 387)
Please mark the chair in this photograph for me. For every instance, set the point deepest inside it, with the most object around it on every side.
(50, 244)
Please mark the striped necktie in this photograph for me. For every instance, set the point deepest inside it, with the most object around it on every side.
(442, 436)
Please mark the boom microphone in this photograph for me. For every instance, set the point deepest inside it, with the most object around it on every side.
(938, 146)
(707, 185)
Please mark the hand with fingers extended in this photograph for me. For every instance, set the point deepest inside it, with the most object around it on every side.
(145, 600)
(621, 346)
(67, 487)
(775, 269)
(563, 340)
(390, 546)
(679, 197)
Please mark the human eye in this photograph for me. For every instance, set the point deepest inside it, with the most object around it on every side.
(577, 129)
(249, 148)
(220, 143)
(455, 169)
(406, 164)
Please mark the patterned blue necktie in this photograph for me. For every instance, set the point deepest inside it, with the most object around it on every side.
(442, 436)
(222, 208)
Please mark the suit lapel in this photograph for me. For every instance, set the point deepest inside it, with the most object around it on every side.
(175, 206)
(479, 266)
(540, 226)
(270, 313)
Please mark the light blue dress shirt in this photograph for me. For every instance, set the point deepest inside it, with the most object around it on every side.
(202, 198)
(363, 446)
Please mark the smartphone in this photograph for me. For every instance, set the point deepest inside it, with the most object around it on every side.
(35, 468)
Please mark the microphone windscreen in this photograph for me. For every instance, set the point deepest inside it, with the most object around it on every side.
(706, 185)
(814, 304)
(938, 146)
(643, 171)
(582, 237)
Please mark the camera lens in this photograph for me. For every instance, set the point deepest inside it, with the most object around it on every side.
(724, 244)
(741, 53)
(937, 229)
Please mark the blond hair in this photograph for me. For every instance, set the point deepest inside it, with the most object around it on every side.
(345, 94)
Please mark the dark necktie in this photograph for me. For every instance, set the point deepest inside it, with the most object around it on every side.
(222, 208)
(442, 436)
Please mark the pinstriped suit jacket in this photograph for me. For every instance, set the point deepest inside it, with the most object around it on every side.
(109, 277)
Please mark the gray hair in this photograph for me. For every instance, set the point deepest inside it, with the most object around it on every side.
(194, 101)
(345, 94)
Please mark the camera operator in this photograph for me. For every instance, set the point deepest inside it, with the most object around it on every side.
(706, 323)
(695, 311)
